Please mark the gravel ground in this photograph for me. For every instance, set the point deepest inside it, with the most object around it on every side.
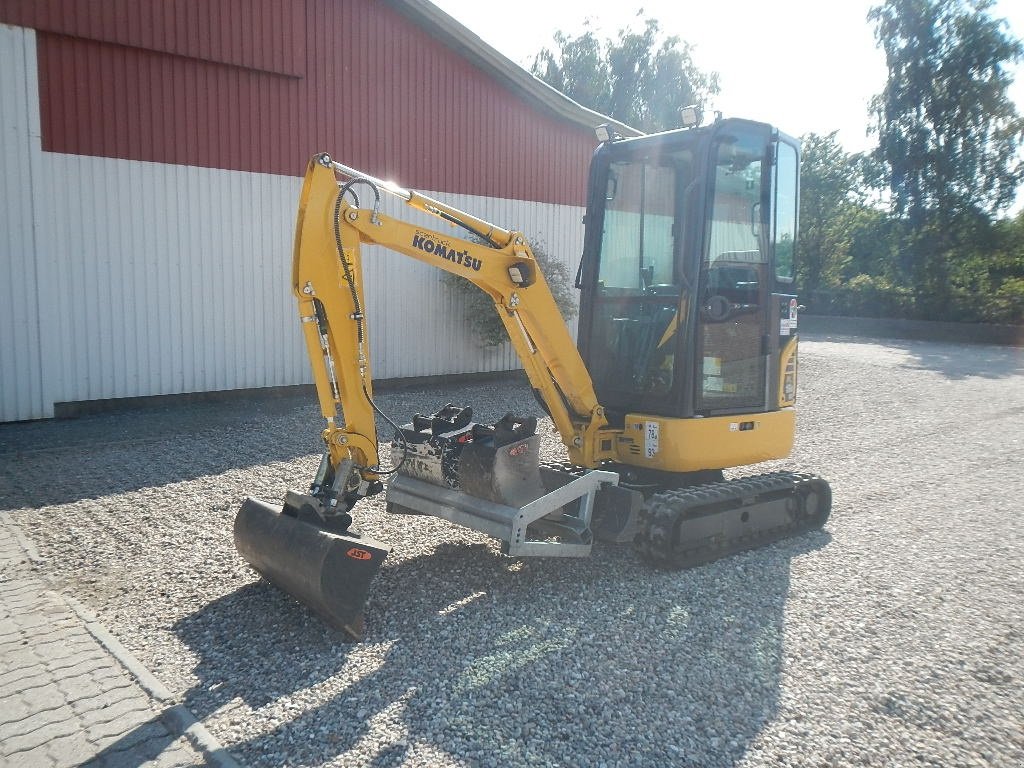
(893, 637)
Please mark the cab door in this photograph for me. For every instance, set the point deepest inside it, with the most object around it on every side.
(784, 309)
(735, 283)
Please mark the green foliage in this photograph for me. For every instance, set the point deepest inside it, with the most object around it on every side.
(849, 262)
(948, 132)
(862, 296)
(481, 313)
(867, 296)
(842, 234)
(636, 79)
(829, 184)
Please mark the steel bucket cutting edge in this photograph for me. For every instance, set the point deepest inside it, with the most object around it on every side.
(325, 571)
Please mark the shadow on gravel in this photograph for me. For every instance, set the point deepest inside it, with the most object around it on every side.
(962, 361)
(63, 461)
(953, 360)
(496, 661)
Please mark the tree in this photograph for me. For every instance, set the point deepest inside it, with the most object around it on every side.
(636, 80)
(828, 186)
(846, 242)
(948, 133)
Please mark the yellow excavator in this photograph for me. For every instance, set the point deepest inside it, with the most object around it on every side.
(686, 364)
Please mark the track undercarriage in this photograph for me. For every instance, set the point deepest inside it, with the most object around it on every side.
(693, 522)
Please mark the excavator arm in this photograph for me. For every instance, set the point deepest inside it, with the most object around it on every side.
(327, 280)
(306, 545)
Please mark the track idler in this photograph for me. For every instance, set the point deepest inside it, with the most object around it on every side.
(326, 571)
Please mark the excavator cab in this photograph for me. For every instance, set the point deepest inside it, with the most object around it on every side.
(687, 302)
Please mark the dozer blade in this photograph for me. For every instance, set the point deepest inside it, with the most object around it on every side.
(328, 572)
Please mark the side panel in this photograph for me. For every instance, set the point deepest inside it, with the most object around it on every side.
(21, 379)
(167, 279)
(689, 445)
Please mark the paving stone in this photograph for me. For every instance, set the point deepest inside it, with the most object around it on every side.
(72, 750)
(147, 731)
(21, 661)
(64, 699)
(144, 752)
(43, 697)
(114, 705)
(76, 638)
(92, 659)
(178, 754)
(25, 682)
(39, 718)
(15, 634)
(27, 656)
(85, 686)
(100, 694)
(122, 723)
(13, 644)
(14, 745)
(37, 757)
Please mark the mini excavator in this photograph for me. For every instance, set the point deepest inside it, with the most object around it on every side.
(686, 365)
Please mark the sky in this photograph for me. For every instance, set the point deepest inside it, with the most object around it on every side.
(801, 65)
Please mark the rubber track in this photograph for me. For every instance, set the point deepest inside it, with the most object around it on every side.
(660, 519)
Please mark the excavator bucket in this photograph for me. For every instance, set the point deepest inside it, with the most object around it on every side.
(328, 572)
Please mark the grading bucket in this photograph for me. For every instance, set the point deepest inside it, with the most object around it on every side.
(328, 572)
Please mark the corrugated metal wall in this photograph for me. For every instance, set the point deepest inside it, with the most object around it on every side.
(21, 394)
(150, 183)
(162, 279)
(177, 279)
(373, 87)
(265, 35)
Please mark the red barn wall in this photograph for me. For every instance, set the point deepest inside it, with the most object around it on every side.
(260, 85)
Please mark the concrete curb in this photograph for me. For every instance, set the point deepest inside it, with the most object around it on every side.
(176, 716)
(26, 544)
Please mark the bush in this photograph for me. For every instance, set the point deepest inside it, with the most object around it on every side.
(869, 296)
(862, 296)
(480, 310)
(1007, 305)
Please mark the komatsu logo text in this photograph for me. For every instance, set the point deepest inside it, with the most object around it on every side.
(427, 244)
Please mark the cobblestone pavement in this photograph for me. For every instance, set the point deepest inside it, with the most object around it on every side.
(64, 699)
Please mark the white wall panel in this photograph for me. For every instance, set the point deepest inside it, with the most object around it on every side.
(176, 279)
(121, 278)
(21, 370)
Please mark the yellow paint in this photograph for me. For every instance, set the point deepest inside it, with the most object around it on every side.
(787, 356)
(686, 445)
